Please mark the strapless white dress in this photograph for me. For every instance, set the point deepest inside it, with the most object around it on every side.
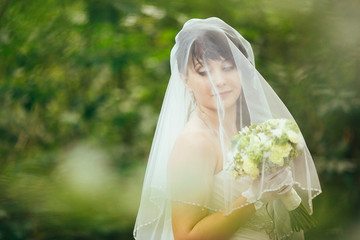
(256, 226)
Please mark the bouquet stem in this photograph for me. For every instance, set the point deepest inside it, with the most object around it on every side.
(300, 218)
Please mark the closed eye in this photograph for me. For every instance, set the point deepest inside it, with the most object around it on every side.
(201, 71)
(228, 67)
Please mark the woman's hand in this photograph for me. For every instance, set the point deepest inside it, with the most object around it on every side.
(271, 186)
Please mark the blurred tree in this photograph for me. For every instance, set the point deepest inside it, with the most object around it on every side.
(81, 85)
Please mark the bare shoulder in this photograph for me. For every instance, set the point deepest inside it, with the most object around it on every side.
(194, 139)
(194, 147)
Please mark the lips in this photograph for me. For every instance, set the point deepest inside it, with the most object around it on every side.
(224, 93)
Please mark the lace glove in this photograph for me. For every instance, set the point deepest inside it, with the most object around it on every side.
(271, 187)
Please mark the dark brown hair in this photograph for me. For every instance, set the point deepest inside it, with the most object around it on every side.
(209, 44)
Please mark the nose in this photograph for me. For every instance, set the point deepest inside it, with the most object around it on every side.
(219, 78)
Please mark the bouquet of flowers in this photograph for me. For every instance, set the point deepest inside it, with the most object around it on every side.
(266, 147)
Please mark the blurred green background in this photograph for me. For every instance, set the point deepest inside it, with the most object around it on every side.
(81, 86)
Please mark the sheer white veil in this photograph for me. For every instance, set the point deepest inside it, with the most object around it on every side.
(213, 39)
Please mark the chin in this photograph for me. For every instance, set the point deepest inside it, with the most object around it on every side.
(230, 101)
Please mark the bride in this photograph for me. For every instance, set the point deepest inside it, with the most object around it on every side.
(214, 91)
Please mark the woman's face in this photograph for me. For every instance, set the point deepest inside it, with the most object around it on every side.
(225, 78)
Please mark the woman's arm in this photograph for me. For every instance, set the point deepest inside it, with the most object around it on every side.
(192, 167)
(192, 222)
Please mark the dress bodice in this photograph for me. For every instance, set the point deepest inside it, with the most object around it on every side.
(257, 224)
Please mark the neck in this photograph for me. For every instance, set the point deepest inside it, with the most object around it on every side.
(211, 119)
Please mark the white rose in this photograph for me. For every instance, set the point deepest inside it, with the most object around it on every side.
(293, 136)
(277, 132)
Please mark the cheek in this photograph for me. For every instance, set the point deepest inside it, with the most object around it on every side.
(202, 92)
(235, 82)
(203, 95)
(200, 87)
